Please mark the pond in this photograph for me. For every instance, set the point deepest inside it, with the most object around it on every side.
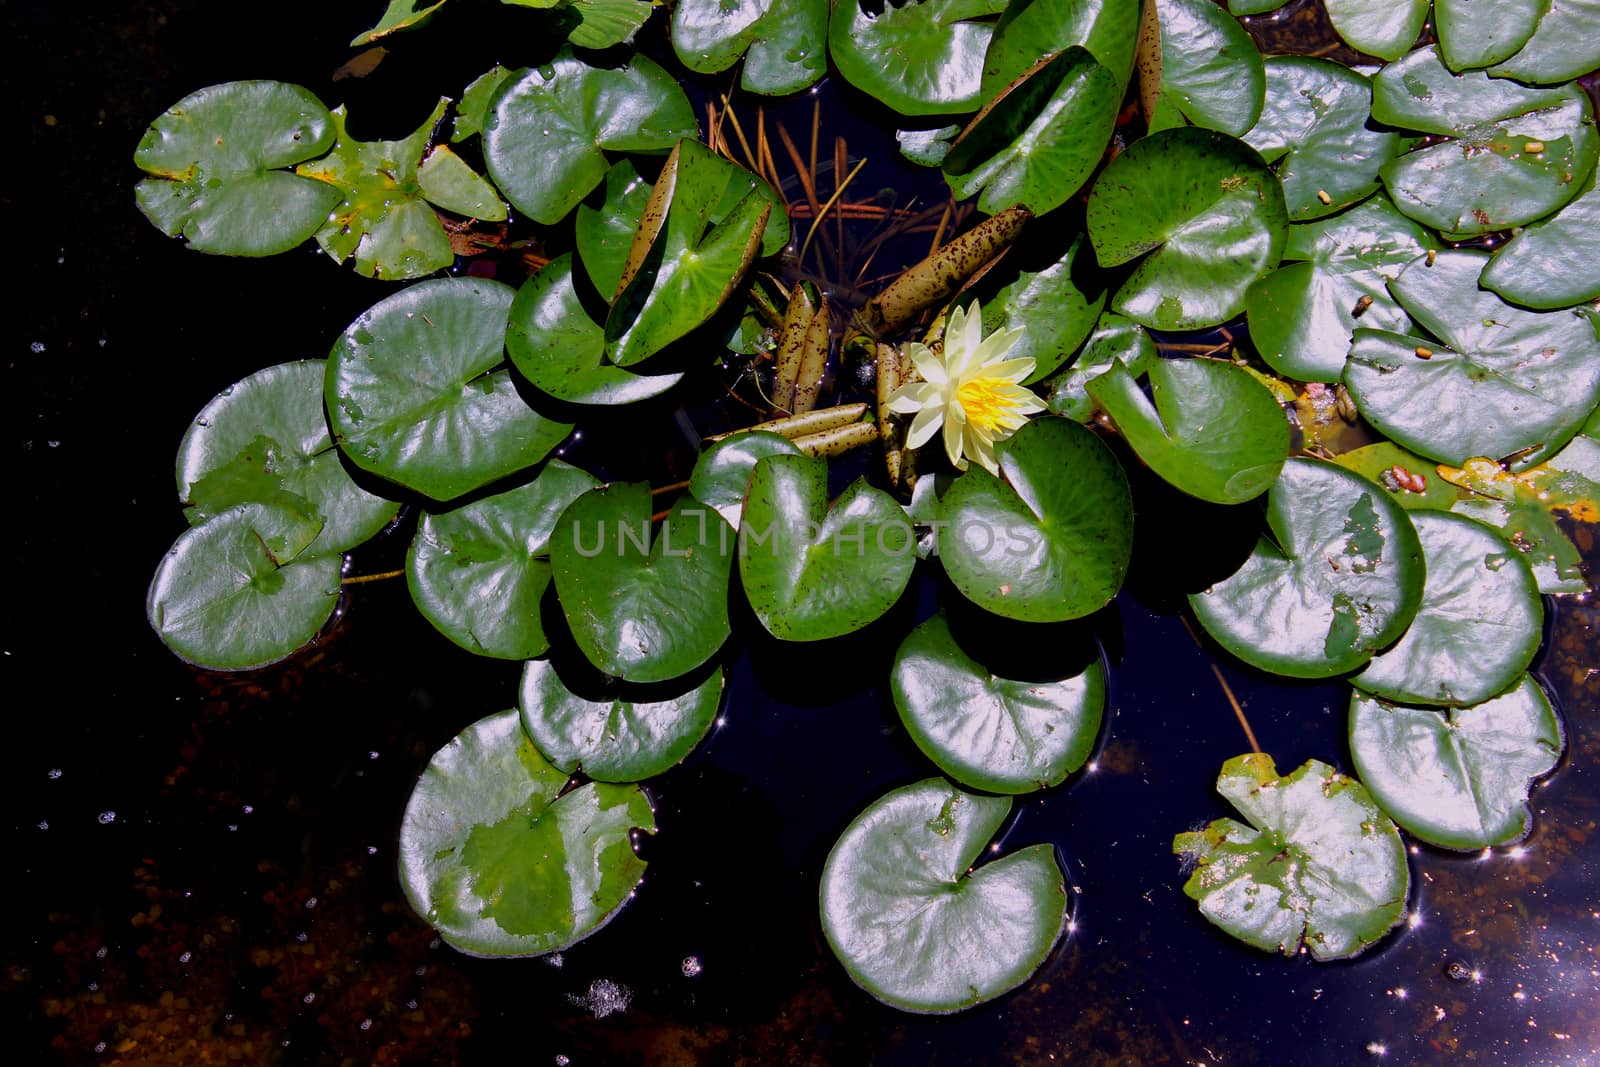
(204, 865)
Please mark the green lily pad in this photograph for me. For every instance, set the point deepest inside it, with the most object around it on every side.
(643, 609)
(1051, 541)
(600, 731)
(1478, 626)
(1473, 35)
(473, 110)
(216, 159)
(927, 147)
(1316, 132)
(1519, 153)
(382, 221)
(1254, 7)
(1551, 264)
(1054, 315)
(603, 23)
(1319, 866)
(1224, 460)
(1029, 30)
(1556, 562)
(1504, 383)
(681, 269)
(722, 473)
(417, 391)
(988, 732)
(938, 48)
(812, 571)
(503, 863)
(478, 572)
(561, 350)
(546, 136)
(605, 233)
(915, 924)
(1040, 140)
(264, 440)
(1210, 69)
(1339, 578)
(1383, 28)
(445, 179)
(1207, 214)
(1303, 316)
(1115, 340)
(1458, 778)
(784, 42)
(239, 592)
(1374, 461)
(399, 15)
(1566, 44)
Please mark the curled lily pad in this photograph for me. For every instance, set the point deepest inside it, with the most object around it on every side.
(1206, 214)
(608, 733)
(473, 110)
(417, 391)
(445, 179)
(546, 136)
(1473, 35)
(478, 572)
(605, 233)
(1040, 140)
(988, 732)
(1318, 866)
(722, 473)
(1029, 30)
(399, 15)
(1054, 314)
(1115, 340)
(1457, 778)
(1210, 69)
(915, 924)
(1504, 382)
(600, 23)
(1519, 153)
(1224, 460)
(812, 571)
(643, 609)
(1565, 45)
(238, 591)
(1551, 264)
(1383, 28)
(502, 862)
(264, 440)
(1339, 578)
(784, 42)
(216, 159)
(561, 350)
(1303, 316)
(1477, 628)
(1052, 540)
(1317, 133)
(938, 46)
(927, 147)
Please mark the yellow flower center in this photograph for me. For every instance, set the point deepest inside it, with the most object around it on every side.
(991, 404)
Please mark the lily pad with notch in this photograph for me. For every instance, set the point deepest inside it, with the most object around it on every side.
(1565, 45)
(911, 919)
(1115, 339)
(605, 231)
(1053, 312)
(1029, 30)
(1551, 264)
(938, 45)
(721, 475)
(784, 42)
(1383, 28)
(1318, 866)
(1210, 68)
(501, 861)
(1473, 35)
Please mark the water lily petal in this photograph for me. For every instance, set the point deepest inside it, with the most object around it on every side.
(955, 421)
(994, 347)
(910, 399)
(981, 448)
(1010, 369)
(930, 366)
(924, 426)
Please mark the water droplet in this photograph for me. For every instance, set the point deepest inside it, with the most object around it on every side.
(186, 957)
(53, 773)
(308, 998)
(692, 966)
(36, 348)
(107, 818)
(366, 1024)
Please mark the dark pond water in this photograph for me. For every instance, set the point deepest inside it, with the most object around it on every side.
(201, 868)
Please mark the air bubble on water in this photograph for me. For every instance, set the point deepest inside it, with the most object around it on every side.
(107, 818)
(411, 1005)
(100, 953)
(555, 959)
(561, 1061)
(311, 902)
(186, 957)
(604, 997)
(248, 808)
(43, 825)
(53, 773)
(366, 1024)
(308, 998)
(36, 348)
(99, 1046)
(692, 966)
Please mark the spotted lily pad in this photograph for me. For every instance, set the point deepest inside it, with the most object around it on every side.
(264, 440)
(1303, 316)
(478, 572)
(1499, 382)
(239, 591)
(502, 862)
(1225, 460)
(996, 734)
(1566, 44)
(1318, 866)
(216, 160)
(911, 919)
(938, 48)
(643, 608)
(1551, 264)
(1029, 30)
(417, 391)
(561, 350)
(546, 136)
(1385, 463)
(1518, 153)
(722, 473)
(1460, 777)
(1210, 69)
(609, 732)
(1050, 539)
(1339, 577)
(1206, 214)
(1383, 28)
(1317, 133)
(605, 231)
(1053, 313)
(1115, 339)
(812, 571)
(1473, 35)
(1477, 628)
(784, 42)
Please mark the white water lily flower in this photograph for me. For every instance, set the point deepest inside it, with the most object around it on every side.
(973, 391)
